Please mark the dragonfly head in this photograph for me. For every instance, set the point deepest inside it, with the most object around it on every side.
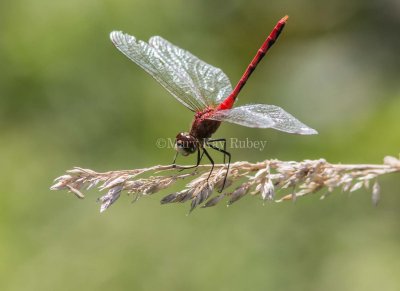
(185, 144)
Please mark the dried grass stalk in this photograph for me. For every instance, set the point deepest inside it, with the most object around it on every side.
(262, 179)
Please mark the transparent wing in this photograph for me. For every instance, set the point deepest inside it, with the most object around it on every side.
(213, 84)
(165, 68)
(263, 116)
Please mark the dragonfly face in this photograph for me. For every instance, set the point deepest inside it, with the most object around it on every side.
(185, 144)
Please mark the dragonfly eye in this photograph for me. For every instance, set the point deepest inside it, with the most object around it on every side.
(185, 144)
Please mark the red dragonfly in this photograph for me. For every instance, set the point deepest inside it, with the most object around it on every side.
(207, 91)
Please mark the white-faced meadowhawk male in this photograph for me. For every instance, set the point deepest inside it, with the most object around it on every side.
(207, 91)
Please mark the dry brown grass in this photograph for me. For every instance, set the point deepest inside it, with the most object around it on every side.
(262, 179)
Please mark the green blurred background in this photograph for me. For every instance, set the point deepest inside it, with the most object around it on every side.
(69, 98)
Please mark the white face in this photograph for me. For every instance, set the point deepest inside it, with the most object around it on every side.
(185, 144)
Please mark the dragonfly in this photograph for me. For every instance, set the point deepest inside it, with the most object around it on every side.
(207, 91)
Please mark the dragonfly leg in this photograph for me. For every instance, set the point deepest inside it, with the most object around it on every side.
(217, 140)
(229, 162)
(173, 162)
(199, 158)
(211, 161)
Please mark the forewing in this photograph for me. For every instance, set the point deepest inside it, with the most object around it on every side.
(172, 77)
(263, 116)
(213, 84)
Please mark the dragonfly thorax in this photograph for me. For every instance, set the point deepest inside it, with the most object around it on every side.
(185, 144)
(202, 127)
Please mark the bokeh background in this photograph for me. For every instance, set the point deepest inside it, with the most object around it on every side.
(69, 98)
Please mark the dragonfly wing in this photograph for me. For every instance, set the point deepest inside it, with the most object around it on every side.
(174, 79)
(263, 116)
(213, 84)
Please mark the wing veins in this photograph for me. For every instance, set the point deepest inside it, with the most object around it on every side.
(136, 51)
(263, 116)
